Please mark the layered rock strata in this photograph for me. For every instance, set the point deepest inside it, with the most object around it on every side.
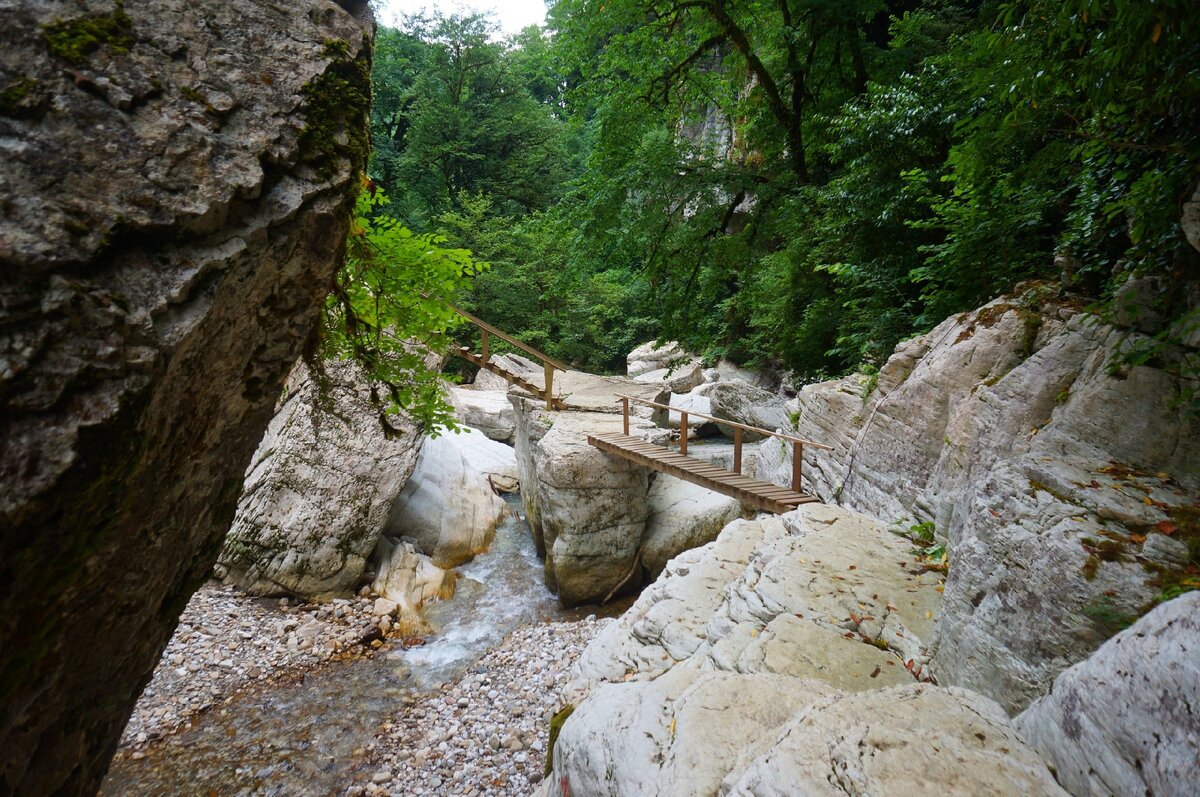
(786, 657)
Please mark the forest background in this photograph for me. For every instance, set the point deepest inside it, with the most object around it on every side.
(798, 184)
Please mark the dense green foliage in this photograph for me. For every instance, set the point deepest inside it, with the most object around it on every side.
(396, 288)
(798, 183)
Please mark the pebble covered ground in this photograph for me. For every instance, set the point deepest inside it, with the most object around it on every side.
(485, 734)
(227, 642)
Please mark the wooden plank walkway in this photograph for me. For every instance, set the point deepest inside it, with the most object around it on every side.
(764, 495)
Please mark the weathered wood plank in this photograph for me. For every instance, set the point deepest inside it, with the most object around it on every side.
(764, 495)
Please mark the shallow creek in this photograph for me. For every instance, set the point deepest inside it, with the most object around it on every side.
(307, 738)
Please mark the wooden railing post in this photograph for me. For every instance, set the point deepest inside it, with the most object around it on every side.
(625, 414)
(484, 346)
(548, 370)
(737, 451)
(682, 432)
(797, 464)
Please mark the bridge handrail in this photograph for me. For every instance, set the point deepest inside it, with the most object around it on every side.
(479, 322)
(723, 422)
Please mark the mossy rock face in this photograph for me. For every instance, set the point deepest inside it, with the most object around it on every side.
(556, 724)
(74, 40)
(335, 105)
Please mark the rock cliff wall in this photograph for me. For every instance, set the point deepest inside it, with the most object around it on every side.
(1064, 481)
(176, 186)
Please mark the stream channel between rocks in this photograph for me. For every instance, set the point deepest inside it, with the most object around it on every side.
(309, 738)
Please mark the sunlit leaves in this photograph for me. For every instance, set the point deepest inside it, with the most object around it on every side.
(391, 310)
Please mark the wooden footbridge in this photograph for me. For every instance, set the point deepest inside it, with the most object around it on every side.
(763, 495)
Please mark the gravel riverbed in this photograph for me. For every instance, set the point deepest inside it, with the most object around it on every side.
(483, 733)
(486, 733)
(228, 642)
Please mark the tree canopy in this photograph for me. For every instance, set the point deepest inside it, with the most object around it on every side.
(799, 183)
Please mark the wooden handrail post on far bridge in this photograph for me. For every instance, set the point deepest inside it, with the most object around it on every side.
(625, 415)
(797, 464)
(548, 371)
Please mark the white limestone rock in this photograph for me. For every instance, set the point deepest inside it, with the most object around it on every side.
(318, 490)
(489, 411)
(963, 426)
(683, 516)
(687, 402)
(448, 508)
(678, 379)
(866, 616)
(902, 740)
(1124, 720)
(652, 357)
(513, 363)
(408, 579)
(676, 736)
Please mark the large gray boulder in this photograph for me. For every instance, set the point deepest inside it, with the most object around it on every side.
(746, 404)
(319, 489)
(587, 509)
(1041, 460)
(177, 194)
(1124, 720)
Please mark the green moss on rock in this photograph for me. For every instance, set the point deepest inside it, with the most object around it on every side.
(335, 107)
(556, 724)
(74, 40)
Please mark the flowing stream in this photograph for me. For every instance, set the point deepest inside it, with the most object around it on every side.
(307, 738)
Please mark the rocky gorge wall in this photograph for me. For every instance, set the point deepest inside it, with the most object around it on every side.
(1064, 482)
(177, 185)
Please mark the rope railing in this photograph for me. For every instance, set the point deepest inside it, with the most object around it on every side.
(798, 443)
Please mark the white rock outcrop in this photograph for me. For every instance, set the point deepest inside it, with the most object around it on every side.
(1040, 458)
(683, 516)
(820, 592)
(1124, 721)
(652, 357)
(513, 363)
(448, 508)
(587, 510)
(318, 490)
(489, 411)
(782, 658)
(902, 740)
(677, 379)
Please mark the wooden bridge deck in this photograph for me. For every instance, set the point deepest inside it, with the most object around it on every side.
(764, 495)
